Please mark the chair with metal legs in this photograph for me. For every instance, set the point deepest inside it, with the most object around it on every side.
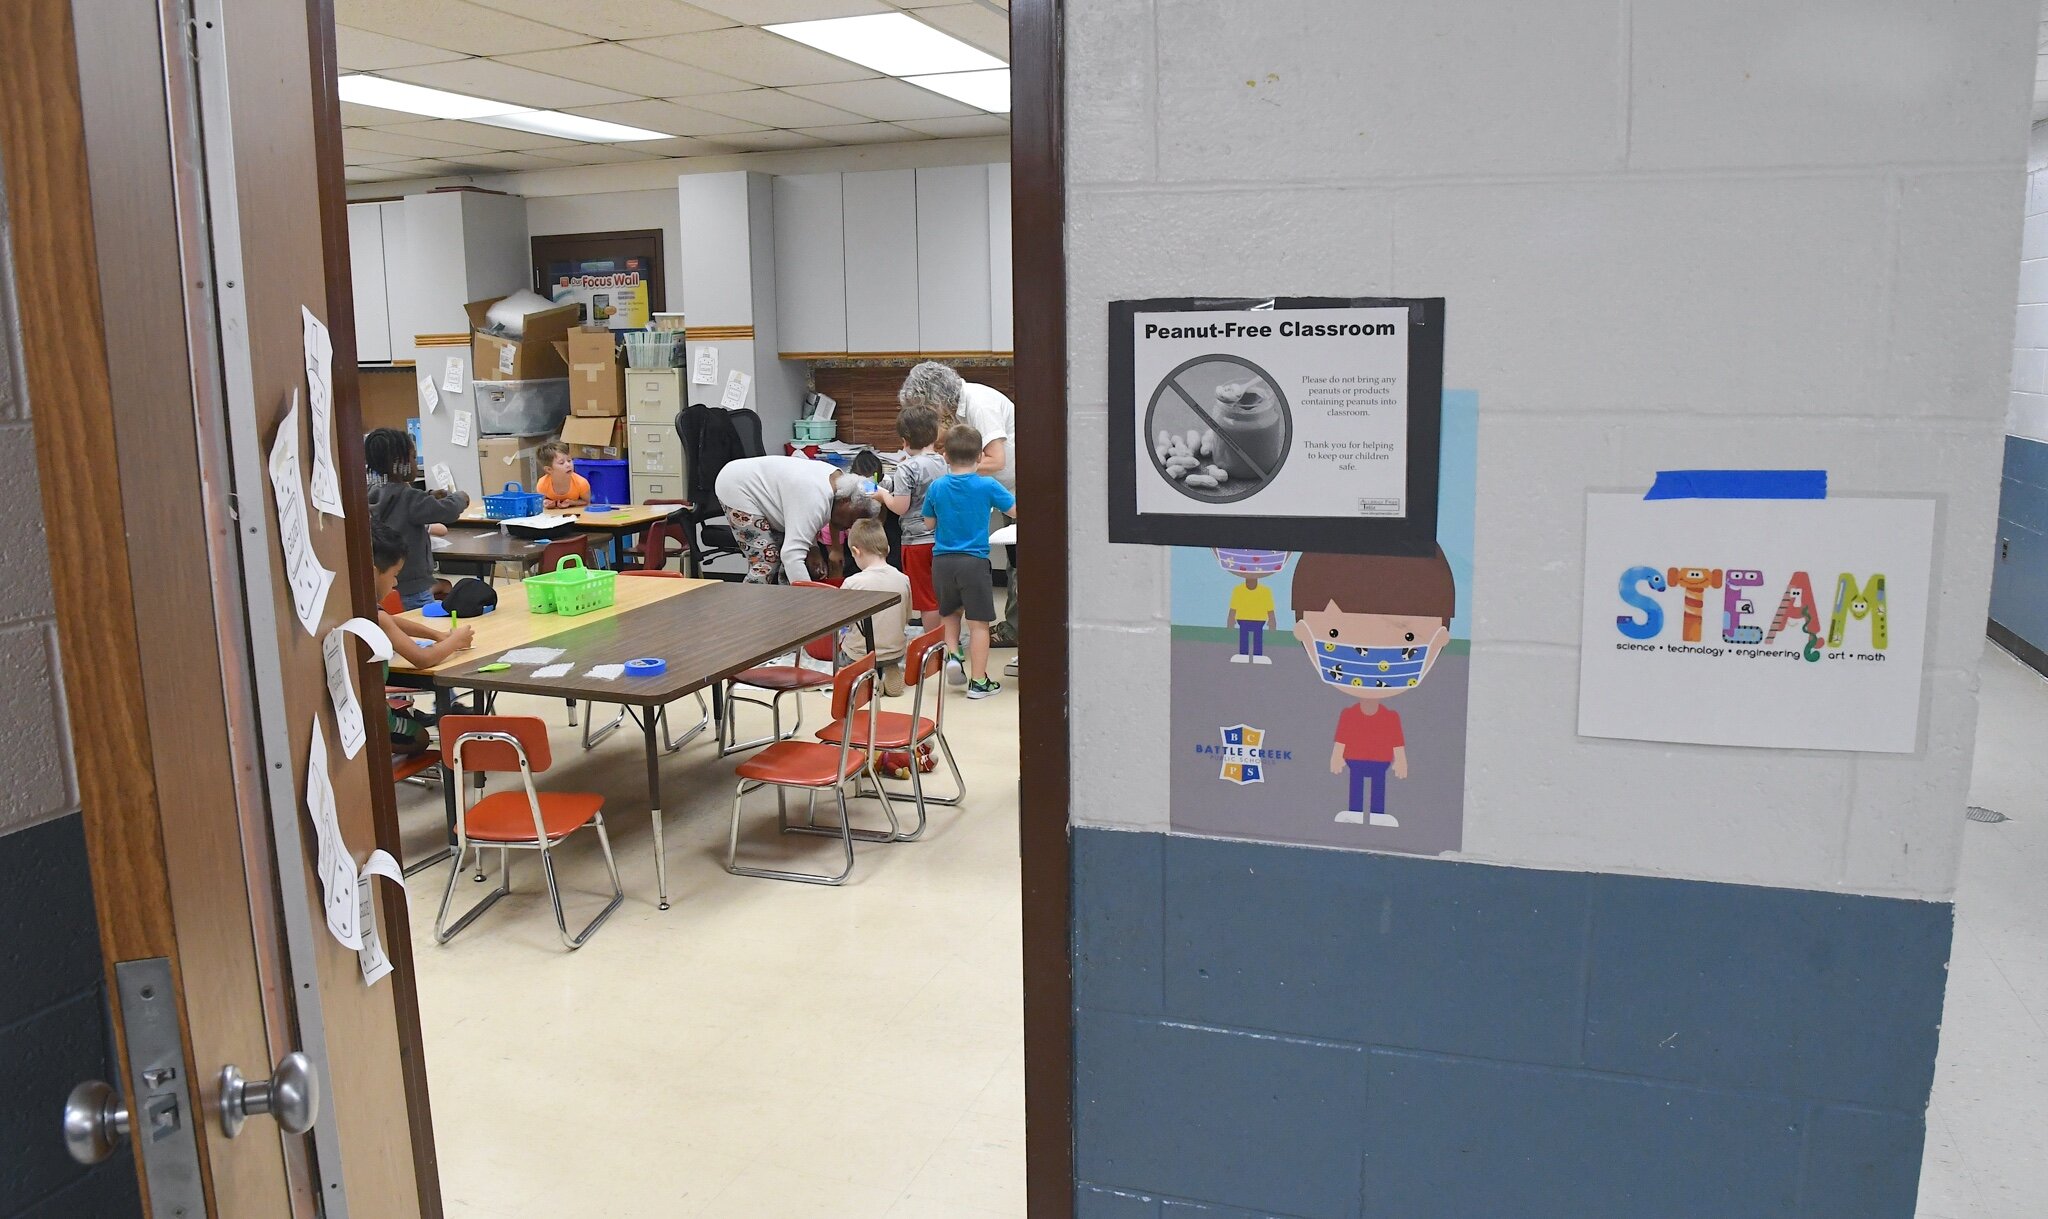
(593, 732)
(815, 768)
(779, 680)
(924, 662)
(526, 820)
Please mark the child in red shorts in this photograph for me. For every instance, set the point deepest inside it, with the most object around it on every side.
(903, 494)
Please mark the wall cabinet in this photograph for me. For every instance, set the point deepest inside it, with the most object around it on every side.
(376, 239)
(894, 261)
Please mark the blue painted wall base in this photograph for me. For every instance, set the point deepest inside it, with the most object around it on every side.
(2019, 569)
(1314, 1034)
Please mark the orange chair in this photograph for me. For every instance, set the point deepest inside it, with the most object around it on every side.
(663, 539)
(816, 767)
(554, 552)
(670, 743)
(780, 680)
(391, 604)
(923, 664)
(524, 819)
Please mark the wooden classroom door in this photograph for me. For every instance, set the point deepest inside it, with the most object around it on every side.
(176, 200)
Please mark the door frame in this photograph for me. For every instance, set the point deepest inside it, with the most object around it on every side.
(1039, 294)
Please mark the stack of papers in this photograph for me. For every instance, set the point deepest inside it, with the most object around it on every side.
(540, 520)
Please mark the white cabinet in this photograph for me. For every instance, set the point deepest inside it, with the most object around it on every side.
(810, 263)
(881, 260)
(952, 258)
(366, 270)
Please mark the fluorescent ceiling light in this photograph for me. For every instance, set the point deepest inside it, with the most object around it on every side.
(441, 104)
(570, 126)
(988, 90)
(894, 44)
(418, 99)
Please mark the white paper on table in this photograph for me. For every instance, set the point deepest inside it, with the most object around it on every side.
(349, 719)
(529, 656)
(704, 370)
(430, 398)
(539, 520)
(736, 385)
(439, 543)
(451, 375)
(606, 672)
(371, 956)
(326, 489)
(553, 670)
(308, 580)
(460, 436)
(443, 477)
(320, 803)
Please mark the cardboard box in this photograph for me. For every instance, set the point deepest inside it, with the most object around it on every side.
(597, 379)
(509, 459)
(590, 437)
(530, 357)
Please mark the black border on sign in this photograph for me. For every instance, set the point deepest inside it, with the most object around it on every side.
(1414, 534)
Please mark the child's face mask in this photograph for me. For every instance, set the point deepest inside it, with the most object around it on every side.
(1371, 655)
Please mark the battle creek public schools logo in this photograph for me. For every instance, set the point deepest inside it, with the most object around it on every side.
(1244, 755)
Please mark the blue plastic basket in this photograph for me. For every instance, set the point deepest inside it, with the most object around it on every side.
(513, 501)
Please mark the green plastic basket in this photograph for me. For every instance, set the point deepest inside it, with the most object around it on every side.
(570, 589)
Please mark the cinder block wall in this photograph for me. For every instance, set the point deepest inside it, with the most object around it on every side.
(53, 1031)
(2019, 580)
(1659, 980)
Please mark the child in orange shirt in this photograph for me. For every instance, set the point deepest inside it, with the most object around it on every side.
(560, 485)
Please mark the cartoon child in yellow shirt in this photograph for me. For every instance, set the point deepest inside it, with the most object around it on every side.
(1251, 606)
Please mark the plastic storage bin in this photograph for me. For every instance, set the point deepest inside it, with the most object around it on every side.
(609, 483)
(571, 589)
(816, 429)
(521, 408)
(513, 501)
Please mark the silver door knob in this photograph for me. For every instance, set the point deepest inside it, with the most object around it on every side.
(291, 1095)
(95, 1122)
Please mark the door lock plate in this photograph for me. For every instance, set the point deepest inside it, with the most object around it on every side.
(156, 1088)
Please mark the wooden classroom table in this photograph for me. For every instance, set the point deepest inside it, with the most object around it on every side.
(706, 631)
(482, 546)
(622, 519)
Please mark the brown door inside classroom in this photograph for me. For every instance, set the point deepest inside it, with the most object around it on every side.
(161, 345)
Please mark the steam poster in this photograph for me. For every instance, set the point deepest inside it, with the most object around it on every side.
(1782, 624)
(1319, 696)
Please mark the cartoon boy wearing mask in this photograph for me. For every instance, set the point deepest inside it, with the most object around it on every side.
(1373, 625)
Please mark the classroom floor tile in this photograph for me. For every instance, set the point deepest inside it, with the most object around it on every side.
(760, 1050)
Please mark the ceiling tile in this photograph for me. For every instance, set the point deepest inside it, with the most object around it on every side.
(972, 24)
(676, 118)
(682, 147)
(767, 141)
(775, 108)
(427, 168)
(404, 143)
(478, 135)
(882, 98)
(365, 51)
(607, 154)
(504, 82)
(862, 133)
(354, 114)
(367, 173)
(615, 19)
(980, 124)
(617, 66)
(457, 25)
(762, 12)
(369, 156)
(755, 56)
(518, 160)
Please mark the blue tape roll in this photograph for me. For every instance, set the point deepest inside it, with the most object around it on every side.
(646, 666)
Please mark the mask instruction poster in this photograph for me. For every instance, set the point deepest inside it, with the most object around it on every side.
(1319, 696)
(1280, 423)
(1776, 623)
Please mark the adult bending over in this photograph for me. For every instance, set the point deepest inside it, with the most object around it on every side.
(778, 506)
(989, 411)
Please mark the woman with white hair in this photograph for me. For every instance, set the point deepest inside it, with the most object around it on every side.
(778, 506)
(989, 411)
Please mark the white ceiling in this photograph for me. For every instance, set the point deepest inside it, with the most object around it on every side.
(702, 71)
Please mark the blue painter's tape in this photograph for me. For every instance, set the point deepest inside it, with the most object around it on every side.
(1739, 484)
(646, 666)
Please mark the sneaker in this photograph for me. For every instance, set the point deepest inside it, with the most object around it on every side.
(956, 668)
(1348, 817)
(892, 681)
(1240, 659)
(1262, 660)
(1384, 819)
(983, 689)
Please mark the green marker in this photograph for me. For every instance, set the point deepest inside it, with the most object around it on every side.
(499, 667)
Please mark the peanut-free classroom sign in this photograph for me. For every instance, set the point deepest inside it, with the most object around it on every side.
(1782, 624)
(1305, 423)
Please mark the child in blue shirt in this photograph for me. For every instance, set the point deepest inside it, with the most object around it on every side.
(958, 507)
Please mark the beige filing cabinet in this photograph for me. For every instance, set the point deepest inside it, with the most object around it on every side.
(654, 397)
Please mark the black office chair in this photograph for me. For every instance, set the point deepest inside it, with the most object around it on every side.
(711, 438)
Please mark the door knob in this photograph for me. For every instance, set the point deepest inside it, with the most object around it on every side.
(95, 1122)
(291, 1095)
